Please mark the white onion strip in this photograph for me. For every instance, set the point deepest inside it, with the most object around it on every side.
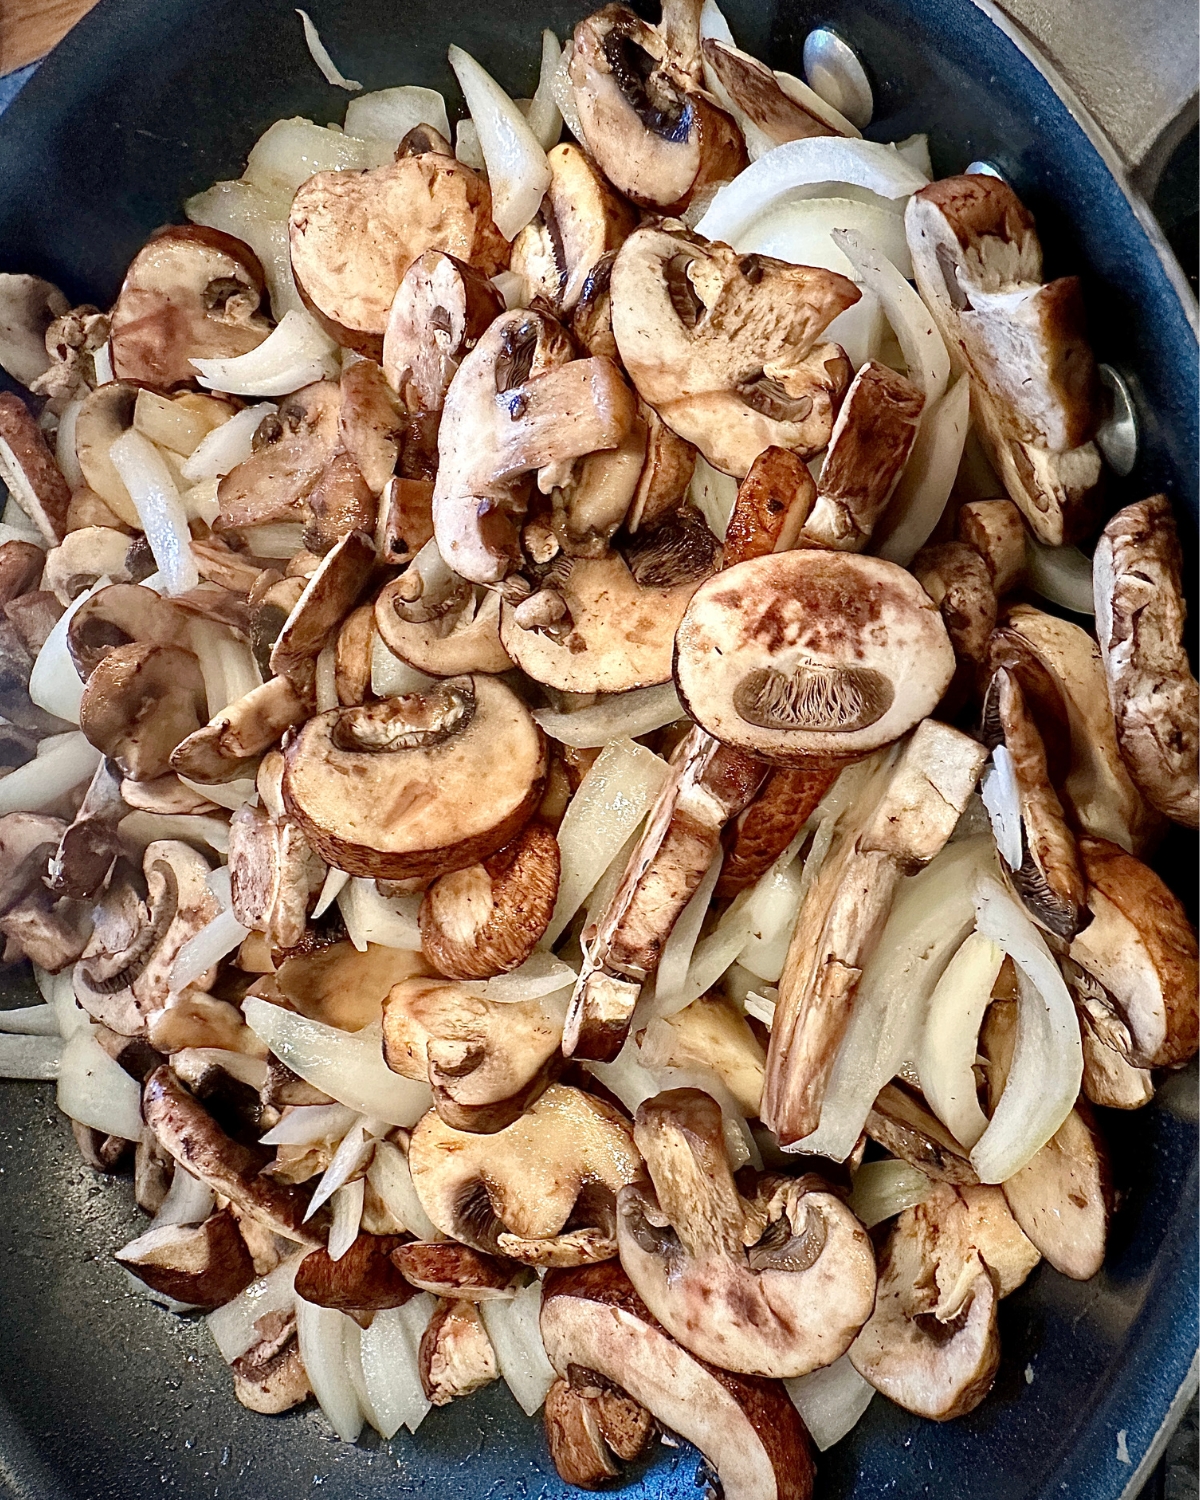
(831, 1400)
(46, 778)
(347, 1217)
(390, 114)
(920, 497)
(922, 345)
(30, 1020)
(97, 1091)
(620, 715)
(232, 1326)
(516, 162)
(946, 1056)
(1061, 574)
(388, 1174)
(320, 55)
(883, 1189)
(388, 1351)
(152, 489)
(390, 921)
(295, 353)
(1001, 797)
(541, 974)
(188, 1200)
(512, 1325)
(207, 947)
(319, 1331)
(306, 1124)
(351, 1156)
(226, 446)
(544, 117)
(54, 683)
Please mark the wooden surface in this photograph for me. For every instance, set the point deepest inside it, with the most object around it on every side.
(29, 28)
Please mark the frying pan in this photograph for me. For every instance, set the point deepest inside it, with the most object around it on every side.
(103, 1395)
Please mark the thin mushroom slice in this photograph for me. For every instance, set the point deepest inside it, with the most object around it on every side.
(902, 1124)
(141, 702)
(369, 422)
(957, 579)
(778, 1286)
(270, 1377)
(455, 1357)
(772, 506)
(204, 1265)
(330, 594)
(290, 451)
(28, 469)
(90, 553)
(442, 308)
(274, 875)
(755, 92)
(995, 530)
(756, 838)
(1140, 615)
(363, 1279)
(28, 306)
(121, 615)
(228, 745)
(448, 1269)
(90, 844)
(439, 623)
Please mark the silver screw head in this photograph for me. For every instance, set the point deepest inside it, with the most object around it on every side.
(834, 71)
(1117, 435)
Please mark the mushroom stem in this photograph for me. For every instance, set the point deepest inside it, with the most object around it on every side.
(681, 1136)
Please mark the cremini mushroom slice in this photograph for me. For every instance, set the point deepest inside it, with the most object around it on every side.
(391, 789)
(229, 743)
(291, 449)
(724, 346)
(596, 1328)
(995, 530)
(405, 521)
(519, 403)
(772, 506)
(270, 1377)
(204, 1265)
(50, 933)
(451, 1270)
(94, 552)
(189, 293)
(21, 566)
(1140, 616)
(756, 838)
(957, 579)
(844, 915)
(330, 594)
(485, 1060)
(442, 308)
(902, 1124)
(27, 844)
(574, 1438)
(488, 918)
(28, 468)
(778, 1286)
(621, 1425)
(121, 615)
(581, 219)
(274, 875)
(339, 503)
(755, 91)
(363, 1279)
(354, 234)
(369, 422)
(340, 986)
(455, 1356)
(656, 135)
(591, 322)
(1141, 947)
(73, 341)
(139, 703)
(666, 473)
(872, 437)
(33, 616)
(811, 656)
(354, 652)
(440, 623)
(191, 1018)
(90, 844)
(28, 306)
(270, 603)
(978, 267)
(166, 795)
(513, 1193)
(1109, 1078)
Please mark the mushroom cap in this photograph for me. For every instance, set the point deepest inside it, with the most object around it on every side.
(121, 615)
(393, 789)
(811, 656)
(446, 631)
(92, 552)
(290, 451)
(364, 1278)
(441, 310)
(448, 1269)
(29, 470)
(141, 701)
(205, 1265)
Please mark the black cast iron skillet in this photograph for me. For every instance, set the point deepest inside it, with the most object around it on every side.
(102, 1395)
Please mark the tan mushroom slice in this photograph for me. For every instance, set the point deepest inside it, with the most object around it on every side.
(405, 521)
(594, 1322)
(724, 346)
(1141, 947)
(369, 422)
(875, 429)
(619, 1422)
(451, 1270)
(485, 1060)
(21, 565)
(190, 293)
(90, 553)
(666, 473)
(1109, 1078)
(121, 615)
(591, 322)
(33, 616)
(756, 838)
(390, 790)
(140, 702)
(270, 1377)
(581, 219)
(28, 306)
(275, 877)
(902, 1124)
(51, 934)
(354, 234)
(28, 469)
(442, 308)
(106, 413)
(327, 598)
(339, 503)
(957, 579)
(90, 844)
(228, 744)
(486, 919)
(27, 844)
(772, 506)
(291, 449)
(440, 623)
(363, 1279)
(1140, 615)
(196, 1141)
(574, 1438)
(542, 1191)
(778, 1287)
(205, 1265)
(340, 986)
(73, 341)
(811, 656)
(455, 1356)
(754, 90)
(995, 530)
(844, 916)
(191, 1018)
(978, 267)
(655, 134)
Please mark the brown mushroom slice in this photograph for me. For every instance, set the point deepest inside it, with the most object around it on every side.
(354, 652)
(488, 918)
(902, 1124)
(204, 1265)
(1140, 616)
(123, 614)
(274, 875)
(810, 656)
(270, 1377)
(33, 616)
(106, 413)
(655, 134)
(756, 838)
(50, 934)
(451, 1270)
(89, 553)
(28, 306)
(875, 429)
(455, 1357)
(773, 503)
(189, 293)
(90, 844)
(227, 745)
(327, 598)
(755, 91)
(291, 450)
(28, 469)
(574, 1438)
(405, 520)
(442, 308)
(485, 1060)
(73, 341)
(27, 843)
(451, 626)
(363, 1279)
(369, 422)
(956, 578)
(542, 1191)
(724, 346)
(390, 790)
(666, 473)
(995, 530)
(593, 1322)
(353, 235)
(978, 267)
(140, 702)
(21, 565)
(776, 1288)
(339, 503)
(1109, 1078)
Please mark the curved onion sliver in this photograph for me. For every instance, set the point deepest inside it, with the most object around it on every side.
(516, 163)
(638, 711)
(1061, 574)
(946, 1057)
(920, 498)
(295, 353)
(924, 349)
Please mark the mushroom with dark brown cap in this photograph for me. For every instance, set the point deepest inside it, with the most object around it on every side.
(485, 1060)
(50, 933)
(448, 1269)
(291, 449)
(455, 1356)
(327, 598)
(121, 615)
(363, 1279)
(778, 1285)
(957, 579)
(772, 506)
(596, 1328)
(542, 1191)
(440, 623)
(33, 616)
(756, 838)
(189, 293)
(369, 422)
(229, 743)
(995, 530)
(91, 842)
(140, 702)
(204, 1265)
(724, 346)
(442, 308)
(28, 306)
(339, 503)
(1140, 615)
(28, 468)
(21, 565)
(405, 520)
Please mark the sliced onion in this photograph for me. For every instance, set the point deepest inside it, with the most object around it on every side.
(326, 679)
(346, 1065)
(670, 982)
(1047, 1066)
(878, 268)
(353, 1152)
(544, 117)
(206, 948)
(97, 1091)
(307, 1124)
(776, 900)
(516, 163)
(388, 1174)
(64, 450)
(188, 1200)
(928, 477)
(714, 495)
(371, 918)
(564, 95)
(805, 231)
(513, 1327)
(347, 1217)
(232, 1326)
(261, 220)
(277, 540)
(152, 489)
(320, 55)
(200, 502)
(197, 829)
(43, 780)
(514, 288)
(335, 883)
(831, 1400)
(58, 991)
(35, 1055)
(319, 1331)
(1001, 796)
(1061, 574)
(946, 1056)
(860, 330)
(228, 445)
(390, 114)
(762, 1007)
(714, 954)
(713, 24)
(54, 684)
(228, 794)
(883, 1189)
(467, 148)
(352, 1359)
(612, 800)
(388, 1351)
(295, 353)
(30, 1020)
(616, 716)
(289, 152)
(541, 974)
(227, 665)
(391, 677)
(915, 151)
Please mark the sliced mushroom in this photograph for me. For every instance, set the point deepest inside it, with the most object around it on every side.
(455, 1356)
(448, 628)
(91, 842)
(193, 1019)
(338, 504)
(326, 599)
(656, 135)
(978, 267)
(103, 1153)
(756, 95)
(107, 413)
(591, 322)
(340, 986)
(204, 1265)
(353, 236)
(1140, 615)
(166, 795)
(152, 1172)
(21, 565)
(189, 293)
(442, 308)
(597, 1329)
(405, 519)
(27, 844)
(270, 1377)
(51, 934)
(92, 552)
(274, 875)
(28, 468)
(995, 530)
(772, 506)
(28, 306)
(756, 838)
(450, 1270)
(141, 701)
(574, 1438)
(956, 578)
(1109, 1078)
(485, 1060)
(811, 656)
(391, 789)
(123, 615)
(72, 341)
(227, 745)
(363, 1279)
(902, 1124)
(724, 346)
(33, 616)
(486, 919)
(291, 451)
(666, 473)
(542, 1191)
(369, 422)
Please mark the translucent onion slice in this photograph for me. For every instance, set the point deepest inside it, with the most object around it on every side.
(353, 1152)
(670, 982)
(617, 716)
(714, 495)
(388, 1351)
(97, 1091)
(713, 23)
(564, 95)
(206, 948)
(543, 116)
(388, 1174)
(58, 991)
(718, 949)
(320, 55)
(188, 1200)
(390, 114)
(232, 1326)
(1001, 796)
(1047, 1066)
(335, 883)
(30, 1020)
(227, 665)
(295, 353)
(352, 1358)
(347, 1217)
(805, 231)
(152, 489)
(831, 1400)
(920, 497)
(883, 1189)
(306, 1124)
(64, 450)
(319, 1331)
(776, 901)
(278, 540)
(915, 151)
(289, 152)
(35, 1055)
(197, 829)
(43, 780)
(516, 162)
(1061, 574)
(390, 676)
(226, 446)
(540, 975)
(228, 794)
(878, 268)
(762, 1007)
(371, 918)
(261, 220)
(945, 1059)
(512, 1326)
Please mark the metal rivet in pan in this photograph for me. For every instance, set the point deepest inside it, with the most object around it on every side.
(834, 71)
(1117, 435)
(985, 169)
